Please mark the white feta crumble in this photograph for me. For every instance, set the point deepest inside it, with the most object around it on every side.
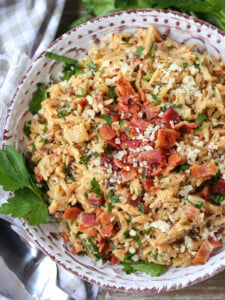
(188, 241)
(132, 250)
(185, 190)
(132, 232)
(117, 141)
(89, 99)
(88, 113)
(175, 68)
(100, 106)
(135, 257)
(161, 225)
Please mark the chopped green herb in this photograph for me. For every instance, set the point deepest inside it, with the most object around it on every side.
(112, 93)
(65, 59)
(62, 113)
(201, 118)
(84, 160)
(121, 123)
(156, 99)
(154, 255)
(39, 96)
(45, 128)
(152, 54)
(139, 51)
(138, 240)
(33, 147)
(107, 118)
(113, 197)
(95, 154)
(171, 47)
(126, 234)
(197, 205)
(185, 64)
(95, 186)
(26, 129)
(202, 127)
(142, 208)
(81, 95)
(91, 65)
(181, 168)
(216, 177)
(218, 198)
(109, 207)
(148, 75)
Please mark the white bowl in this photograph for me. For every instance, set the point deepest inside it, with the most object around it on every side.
(75, 43)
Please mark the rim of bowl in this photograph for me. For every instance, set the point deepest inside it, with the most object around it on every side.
(94, 20)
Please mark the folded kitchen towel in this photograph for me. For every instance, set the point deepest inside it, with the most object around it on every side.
(27, 27)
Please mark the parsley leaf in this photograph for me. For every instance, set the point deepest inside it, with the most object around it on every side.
(142, 208)
(181, 168)
(202, 127)
(149, 268)
(81, 95)
(156, 99)
(107, 118)
(113, 197)
(26, 129)
(91, 65)
(39, 96)
(112, 93)
(95, 186)
(218, 198)
(139, 51)
(152, 54)
(185, 64)
(27, 201)
(62, 113)
(196, 204)
(84, 160)
(201, 118)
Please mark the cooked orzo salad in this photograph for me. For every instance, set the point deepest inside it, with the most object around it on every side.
(132, 150)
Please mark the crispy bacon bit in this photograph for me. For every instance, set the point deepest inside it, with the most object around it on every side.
(122, 108)
(115, 260)
(204, 251)
(71, 212)
(175, 159)
(88, 219)
(147, 184)
(94, 199)
(92, 232)
(82, 101)
(138, 123)
(64, 236)
(124, 88)
(70, 189)
(206, 192)
(156, 156)
(105, 218)
(185, 127)
(201, 171)
(106, 132)
(127, 175)
(171, 116)
(219, 187)
(166, 138)
(107, 230)
(151, 111)
(134, 109)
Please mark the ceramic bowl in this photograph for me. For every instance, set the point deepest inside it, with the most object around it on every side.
(75, 43)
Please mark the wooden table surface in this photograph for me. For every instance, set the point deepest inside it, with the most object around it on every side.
(211, 289)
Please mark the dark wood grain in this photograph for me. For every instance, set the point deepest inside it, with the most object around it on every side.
(211, 289)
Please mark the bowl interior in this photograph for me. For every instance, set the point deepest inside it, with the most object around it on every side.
(75, 44)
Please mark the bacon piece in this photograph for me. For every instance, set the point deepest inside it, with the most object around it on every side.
(70, 189)
(175, 160)
(151, 111)
(71, 212)
(106, 132)
(122, 109)
(134, 144)
(124, 88)
(88, 219)
(138, 123)
(171, 116)
(127, 175)
(201, 171)
(82, 101)
(219, 187)
(94, 199)
(147, 184)
(185, 127)
(64, 236)
(107, 230)
(156, 156)
(112, 143)
(166, 138)
(134, 109)
(115, 260)
(92, 232)
(204, 251)
(206, 192)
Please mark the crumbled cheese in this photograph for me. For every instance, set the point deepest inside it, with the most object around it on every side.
(105, 64)
(147, 225)
(132, 232)
(132, 250)
(111, 81)
(89, 99)
(182, 248)
(175, 68)
(184, 191)
(188, 241)
(135, 257)
(117, 141)
(125, 68)
(161, 225)
(100, 106)
(88, 113)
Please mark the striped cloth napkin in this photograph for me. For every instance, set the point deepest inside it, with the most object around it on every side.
(27, 27)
